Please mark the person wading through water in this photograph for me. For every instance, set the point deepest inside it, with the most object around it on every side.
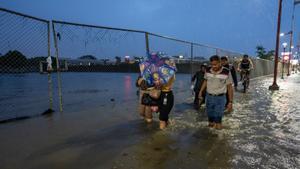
(217, 82)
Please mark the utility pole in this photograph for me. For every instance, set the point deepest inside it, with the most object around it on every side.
(291, 40)
(274, 86)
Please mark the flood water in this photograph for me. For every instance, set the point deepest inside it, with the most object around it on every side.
(100, 127)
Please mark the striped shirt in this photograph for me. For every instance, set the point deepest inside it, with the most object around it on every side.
(217, 81)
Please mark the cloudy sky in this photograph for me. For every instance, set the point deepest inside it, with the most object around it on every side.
(237, 25)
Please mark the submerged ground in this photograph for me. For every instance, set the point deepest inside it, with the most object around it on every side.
(262, 132)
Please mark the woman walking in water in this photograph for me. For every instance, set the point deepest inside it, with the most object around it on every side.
(166, 103)
(159, 73)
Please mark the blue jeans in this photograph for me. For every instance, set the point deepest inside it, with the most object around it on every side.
(215, 106)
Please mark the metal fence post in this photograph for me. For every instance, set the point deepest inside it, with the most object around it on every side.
(58, 69)
(49, 74)
(147, 42)
(192, 59)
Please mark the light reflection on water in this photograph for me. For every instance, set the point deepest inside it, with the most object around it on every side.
(262, 132)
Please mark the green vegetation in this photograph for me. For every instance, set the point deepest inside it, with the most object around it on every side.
(263, 54)
(87, 57)
(15, 61)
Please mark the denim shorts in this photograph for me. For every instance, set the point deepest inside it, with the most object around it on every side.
(215, 106)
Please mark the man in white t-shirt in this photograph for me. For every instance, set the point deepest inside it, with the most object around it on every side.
(217, 82)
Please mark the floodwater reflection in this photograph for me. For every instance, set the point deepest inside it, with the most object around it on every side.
(96, 133)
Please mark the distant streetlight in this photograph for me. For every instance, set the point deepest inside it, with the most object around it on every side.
(284, 44)
(291, 36)
(284, 34)
(283, 55)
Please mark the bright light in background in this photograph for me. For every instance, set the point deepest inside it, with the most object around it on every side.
(285, 53)
(294, 62)
(127, 57)
(180, 57)
(281, 34)
(284, 44)
(292, 47)
(286, 57)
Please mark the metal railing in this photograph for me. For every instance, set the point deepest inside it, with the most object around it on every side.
(25, 54)
(24, 47)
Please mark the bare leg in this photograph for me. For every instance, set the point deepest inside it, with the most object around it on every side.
(142, 109)
(148, 114)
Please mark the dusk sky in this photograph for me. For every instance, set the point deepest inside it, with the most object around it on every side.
(237, 25)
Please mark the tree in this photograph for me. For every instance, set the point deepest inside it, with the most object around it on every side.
(263, 54)
(260, 51)
(118, 60)
(13, 59)
(88, 57)
(270, 55)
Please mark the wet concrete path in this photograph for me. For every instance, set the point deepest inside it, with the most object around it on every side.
(262, 132)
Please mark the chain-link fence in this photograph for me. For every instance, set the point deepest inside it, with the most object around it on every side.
(24, 48)
(180, 51)
(79, 51)
(188, 55)
(85, 49)
(89, 48)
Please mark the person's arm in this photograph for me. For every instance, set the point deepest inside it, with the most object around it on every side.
(251, 64)
(233, 74)
(203, 87)
(239, 66)
(138, 82)
(230, 96)
(194, 77)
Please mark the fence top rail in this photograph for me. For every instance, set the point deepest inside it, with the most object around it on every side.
(170, 38)
(139, 31)
(24, 15)
(96, 26)
(217, 48)
(112, 28)
(192, 43)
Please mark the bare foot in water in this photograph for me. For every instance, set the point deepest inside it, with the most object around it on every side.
(211, 124)
(162, 125)
(148, 120)
(218, 126)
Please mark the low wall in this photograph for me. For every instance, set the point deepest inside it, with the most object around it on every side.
(261, 68)
(264, 67)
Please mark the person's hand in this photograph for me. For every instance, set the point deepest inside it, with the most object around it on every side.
(192, 87)
(140, 81)
(200, 97)
(229, 107)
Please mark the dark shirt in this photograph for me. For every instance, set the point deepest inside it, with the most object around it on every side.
(199, 77)
(245, 64)
(233, 73)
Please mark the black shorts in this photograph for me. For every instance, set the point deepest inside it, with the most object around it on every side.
(166, 102)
